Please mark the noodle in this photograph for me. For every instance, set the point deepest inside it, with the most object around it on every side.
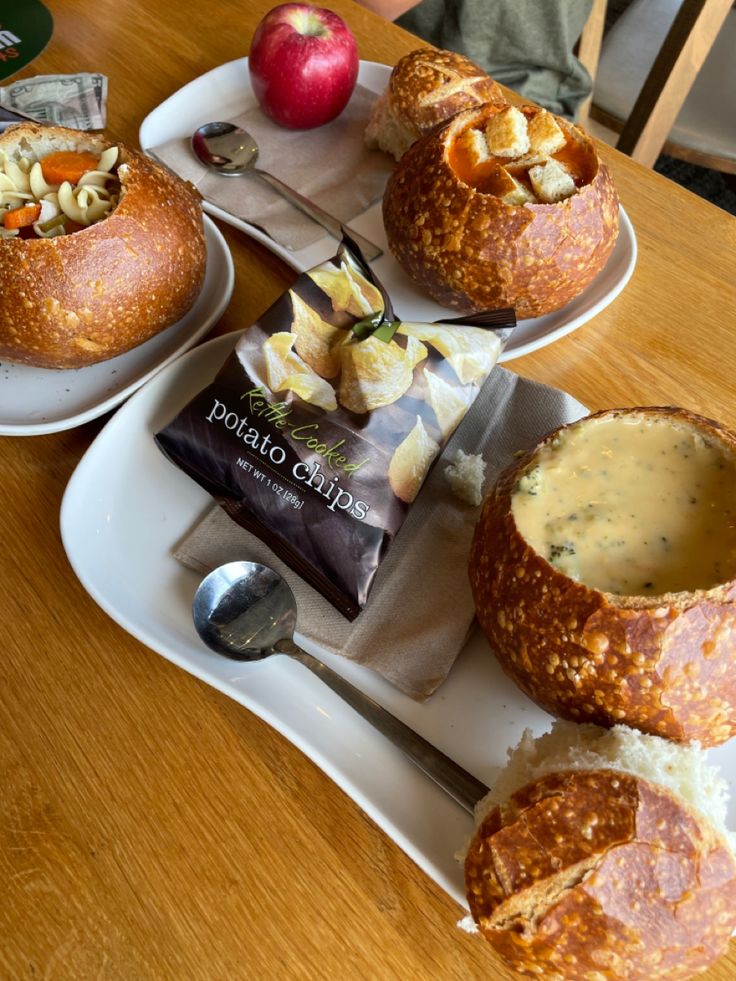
(86, 202)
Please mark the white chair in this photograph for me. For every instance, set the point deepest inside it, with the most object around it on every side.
(665, 79)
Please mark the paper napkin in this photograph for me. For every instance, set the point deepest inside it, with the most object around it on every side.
(330, 165)
(420, 610)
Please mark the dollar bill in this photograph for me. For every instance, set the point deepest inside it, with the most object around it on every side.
(78, 101)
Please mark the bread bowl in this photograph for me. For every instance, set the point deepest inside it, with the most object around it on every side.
(612, 598)
(465, 220)
(133, 265)
(602, 855)
(426, 87)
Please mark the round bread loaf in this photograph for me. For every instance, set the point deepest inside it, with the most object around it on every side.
(603, 857)
(603, 570)
(502, 207)
(87, 296)
(427, 87)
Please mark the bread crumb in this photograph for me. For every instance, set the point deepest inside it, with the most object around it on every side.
(465, 477)
(506, 133)
(519, 195)
(545, 136)
(468, 924)
(551, 182)
(473, 143)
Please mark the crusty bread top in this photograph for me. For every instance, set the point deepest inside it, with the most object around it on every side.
(428, 86)
(598, 874)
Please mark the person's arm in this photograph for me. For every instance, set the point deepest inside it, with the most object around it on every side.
(390, 9)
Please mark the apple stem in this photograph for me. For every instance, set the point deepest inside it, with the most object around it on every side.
(309, 24)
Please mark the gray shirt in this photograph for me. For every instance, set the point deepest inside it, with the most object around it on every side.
(524, 44)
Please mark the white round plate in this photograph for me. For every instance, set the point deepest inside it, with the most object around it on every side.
(225, 92)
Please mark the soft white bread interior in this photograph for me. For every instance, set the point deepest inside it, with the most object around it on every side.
(602, 855)
(427, 87)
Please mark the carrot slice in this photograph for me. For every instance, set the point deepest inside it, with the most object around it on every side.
(22, 217)
(67, 165)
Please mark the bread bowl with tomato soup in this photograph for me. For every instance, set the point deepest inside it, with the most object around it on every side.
(100, 247)
(502, 207)
(426, 87)
(603, 571)
(603, 855)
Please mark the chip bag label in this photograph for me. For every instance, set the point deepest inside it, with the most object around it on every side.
(320, 428)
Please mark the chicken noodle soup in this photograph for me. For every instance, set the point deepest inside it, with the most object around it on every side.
(55, 193)
(322, 425)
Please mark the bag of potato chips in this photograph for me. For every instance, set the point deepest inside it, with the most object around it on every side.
(319, 430)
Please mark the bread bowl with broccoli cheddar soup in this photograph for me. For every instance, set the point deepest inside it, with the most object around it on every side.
(603, 855)
(603, 570)
(100, 247)
(502, 207)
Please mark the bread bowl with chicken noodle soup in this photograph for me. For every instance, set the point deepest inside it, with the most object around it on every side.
(502, 207)
(100, 247)
(603, 855)
(426, 88)
(603, 571)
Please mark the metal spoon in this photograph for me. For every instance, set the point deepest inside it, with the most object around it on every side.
(246, 611)
(232, 152)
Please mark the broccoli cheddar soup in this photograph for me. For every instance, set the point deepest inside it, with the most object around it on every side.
(634, 505)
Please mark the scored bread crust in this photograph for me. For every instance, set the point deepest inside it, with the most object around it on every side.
(662, 664)
(471, 251)
(77, 299)
(595, 875)
(426, 87)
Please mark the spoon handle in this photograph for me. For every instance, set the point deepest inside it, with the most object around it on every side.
(457, 782)
(327, 221)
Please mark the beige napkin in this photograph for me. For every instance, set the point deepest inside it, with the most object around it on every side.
(330, 165)
(420, 609)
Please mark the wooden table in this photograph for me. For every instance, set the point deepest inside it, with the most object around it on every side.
(152, 828)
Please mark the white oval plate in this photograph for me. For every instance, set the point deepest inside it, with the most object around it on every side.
(225, 92)
(119, 534)
(34, 401)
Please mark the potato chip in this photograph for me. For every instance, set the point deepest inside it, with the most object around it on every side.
(316, 340)
(348, 289)
(376, 372)
(285, 370)
(471, 351)
(448, 403)
(411, 460)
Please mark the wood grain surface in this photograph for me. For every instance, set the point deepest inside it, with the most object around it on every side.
(150, 828)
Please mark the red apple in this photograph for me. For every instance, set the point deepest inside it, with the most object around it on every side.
(303, 65)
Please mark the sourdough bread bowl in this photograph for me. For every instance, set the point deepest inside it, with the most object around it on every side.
(502, 207)
(602, 855)
(125, 259)
(426, 87)
(603, 570)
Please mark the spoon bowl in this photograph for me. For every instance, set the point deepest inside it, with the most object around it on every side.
(243, 610)
(226, 148)
(233, 152)
(246, 611)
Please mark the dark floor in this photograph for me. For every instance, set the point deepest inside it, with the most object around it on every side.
(711, 184)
